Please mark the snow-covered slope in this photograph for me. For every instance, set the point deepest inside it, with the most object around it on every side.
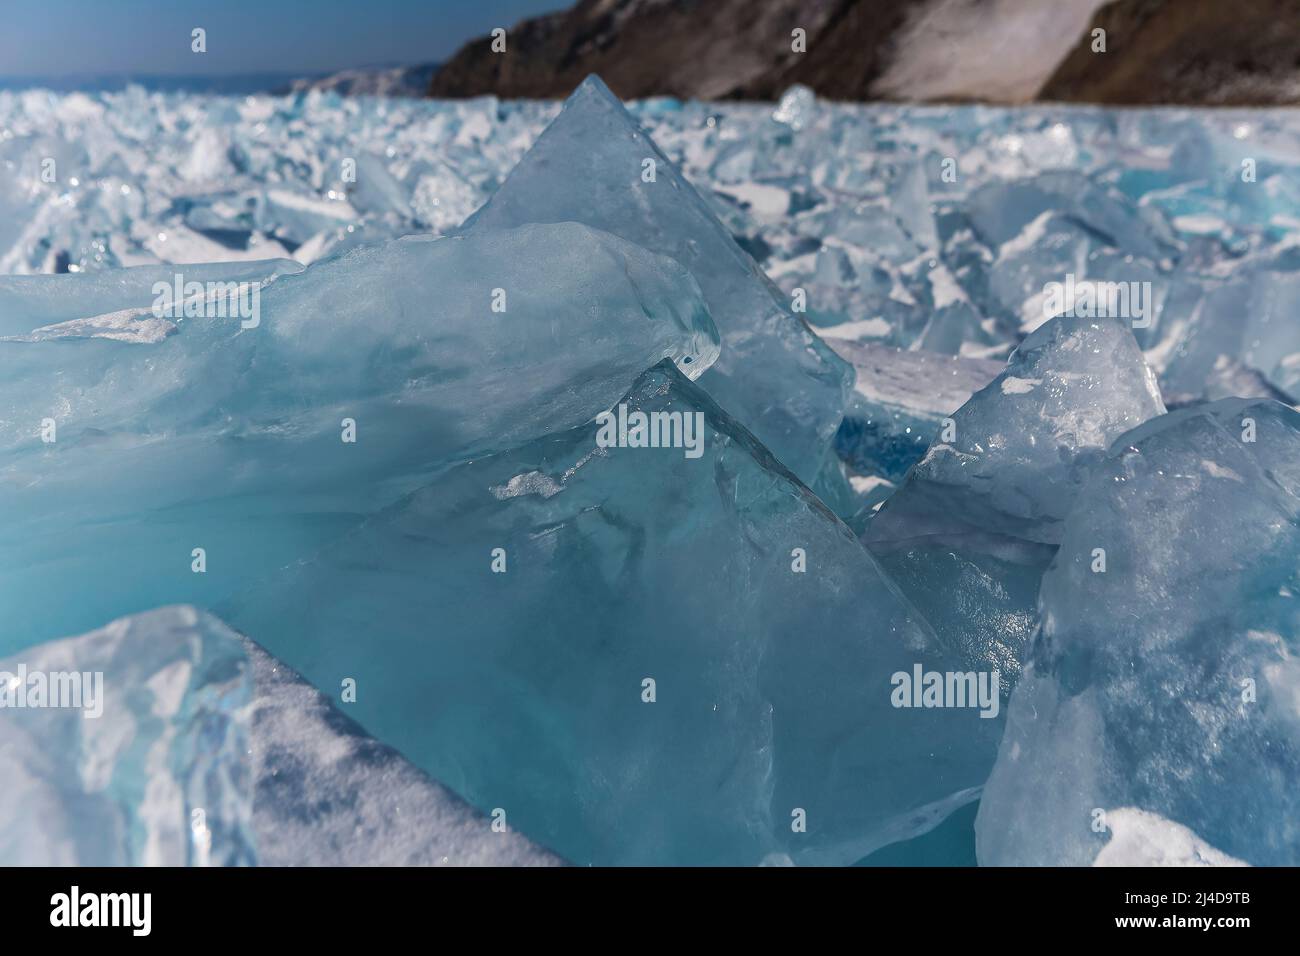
(998, 50)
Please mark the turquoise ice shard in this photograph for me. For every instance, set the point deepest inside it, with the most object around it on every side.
(1165, 676)
(1019, 448)
(1002, 210)
(1040, 229)
(969, 534)
(233, 440)
(593, 164)
(977, 591)
(128, 746)
(1249, 318)
(115, 302)
(327, 794)
(534, 630)
(547, 324)
(901, 398)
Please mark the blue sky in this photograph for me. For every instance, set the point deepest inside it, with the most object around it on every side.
(52, 38)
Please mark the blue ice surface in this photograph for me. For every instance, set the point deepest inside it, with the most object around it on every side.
(828, 287)
(598, 592)
(236, 437)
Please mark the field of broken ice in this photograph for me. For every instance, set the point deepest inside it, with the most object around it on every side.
(690, 485)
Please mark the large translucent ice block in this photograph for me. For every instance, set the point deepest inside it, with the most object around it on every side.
(364, 376)
(639, 654)
(1165, 676)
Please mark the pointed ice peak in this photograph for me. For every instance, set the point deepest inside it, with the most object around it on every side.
(594, 88)
(594, 165)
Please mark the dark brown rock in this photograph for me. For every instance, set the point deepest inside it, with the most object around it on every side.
(1193, 52)
(705, 49)
(1158, 51)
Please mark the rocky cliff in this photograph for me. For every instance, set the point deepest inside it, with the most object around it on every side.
(1194, 52)
(1009, 51)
